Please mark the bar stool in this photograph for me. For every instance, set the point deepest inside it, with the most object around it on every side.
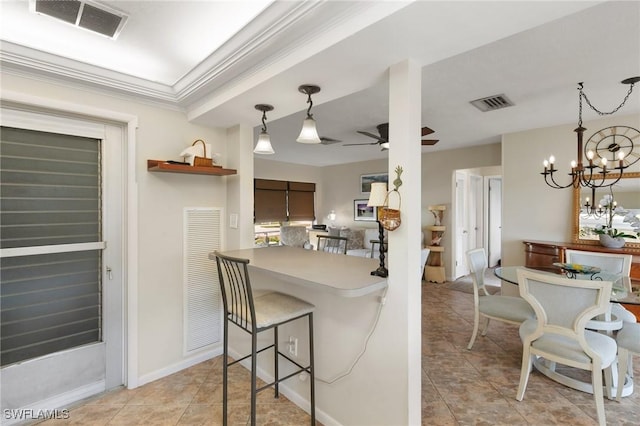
(255, 315)
(628, 340)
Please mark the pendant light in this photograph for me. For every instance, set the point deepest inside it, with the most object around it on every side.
(309, 134)
(263, 146)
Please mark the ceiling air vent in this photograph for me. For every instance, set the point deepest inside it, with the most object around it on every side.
(492, 103)
(85, 14)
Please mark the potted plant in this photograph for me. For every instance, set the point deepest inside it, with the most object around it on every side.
(610, 236)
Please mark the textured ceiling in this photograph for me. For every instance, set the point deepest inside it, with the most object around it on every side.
(216, 60)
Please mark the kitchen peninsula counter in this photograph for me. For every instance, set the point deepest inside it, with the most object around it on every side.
(340, 275)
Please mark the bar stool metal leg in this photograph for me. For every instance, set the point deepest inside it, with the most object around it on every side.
(312, 372)
(225, 368)
(275, 361)
(254, 365)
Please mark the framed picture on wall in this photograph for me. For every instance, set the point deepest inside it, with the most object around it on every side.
(363, 212)
(367, 180)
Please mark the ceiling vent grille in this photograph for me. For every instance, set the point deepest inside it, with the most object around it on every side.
(492, 103)
(85, 14)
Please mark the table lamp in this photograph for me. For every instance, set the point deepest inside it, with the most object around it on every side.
(377, 197)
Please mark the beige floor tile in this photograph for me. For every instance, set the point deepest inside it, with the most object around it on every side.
(459, 387)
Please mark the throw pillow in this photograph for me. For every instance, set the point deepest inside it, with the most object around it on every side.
(355, 238)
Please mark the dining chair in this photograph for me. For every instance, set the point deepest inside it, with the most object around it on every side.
(293, 236)
(255, 315)
(332, 244)
(508, 309)
(558, 332)
(615, 263)
(628, 340)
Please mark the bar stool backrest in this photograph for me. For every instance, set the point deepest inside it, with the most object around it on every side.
(237, 296)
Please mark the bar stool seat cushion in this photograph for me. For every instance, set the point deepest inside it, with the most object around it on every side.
(277, 308)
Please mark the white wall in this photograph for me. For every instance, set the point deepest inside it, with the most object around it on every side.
(341, 185)
(531, 210)
(161, 134)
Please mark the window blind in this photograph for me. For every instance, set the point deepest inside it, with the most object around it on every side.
(49, 196)
(269, 201)
(301, 201)
(282, 201)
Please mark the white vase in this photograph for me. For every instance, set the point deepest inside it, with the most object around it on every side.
(610, 242)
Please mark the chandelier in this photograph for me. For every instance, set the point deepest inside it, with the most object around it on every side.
(586, 175)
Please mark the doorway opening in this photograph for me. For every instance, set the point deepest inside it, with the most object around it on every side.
(476, 215)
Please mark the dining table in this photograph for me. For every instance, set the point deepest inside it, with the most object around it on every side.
(621, 292)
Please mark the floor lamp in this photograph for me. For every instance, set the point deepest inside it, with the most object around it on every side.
(377, 198)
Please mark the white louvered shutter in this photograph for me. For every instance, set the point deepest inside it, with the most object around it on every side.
(202, 300)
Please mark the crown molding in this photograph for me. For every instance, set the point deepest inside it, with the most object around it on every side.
(21, 60)
(285, 31)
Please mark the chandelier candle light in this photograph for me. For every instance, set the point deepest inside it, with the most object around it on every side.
(581, 174)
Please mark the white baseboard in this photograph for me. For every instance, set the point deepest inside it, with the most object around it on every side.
(174, 368)
(61, 401)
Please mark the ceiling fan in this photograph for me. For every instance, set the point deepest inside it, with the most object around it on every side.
(383, 138)
(324, 140)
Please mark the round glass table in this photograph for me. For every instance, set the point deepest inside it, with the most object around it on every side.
(620, 290)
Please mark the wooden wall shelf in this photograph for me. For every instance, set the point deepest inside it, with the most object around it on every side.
(164, 167)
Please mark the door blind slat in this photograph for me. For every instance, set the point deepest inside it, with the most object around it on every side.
(50, 243)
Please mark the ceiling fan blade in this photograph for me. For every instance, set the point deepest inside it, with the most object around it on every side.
(427, 131)
(356, 144)
(426, 142)
(328, 141)
(371, 135)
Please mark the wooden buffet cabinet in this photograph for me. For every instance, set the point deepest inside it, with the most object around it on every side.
(542, 255)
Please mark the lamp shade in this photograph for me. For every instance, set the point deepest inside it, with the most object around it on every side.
(263, 146)
(332, 215)
(308, 134)
(378, 194)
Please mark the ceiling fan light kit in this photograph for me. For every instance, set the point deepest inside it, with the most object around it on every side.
(263, 146)
(309, 133)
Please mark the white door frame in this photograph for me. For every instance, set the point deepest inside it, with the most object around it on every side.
(459, 242)
(487, 180)
(129, 200)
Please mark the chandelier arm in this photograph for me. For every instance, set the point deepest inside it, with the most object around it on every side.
(556, 185)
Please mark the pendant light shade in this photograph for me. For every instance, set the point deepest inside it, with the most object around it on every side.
(309, 134)
(263, 146)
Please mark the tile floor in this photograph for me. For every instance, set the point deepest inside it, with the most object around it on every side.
(459, 387)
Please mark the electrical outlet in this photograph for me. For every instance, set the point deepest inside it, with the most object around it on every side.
(293, 346)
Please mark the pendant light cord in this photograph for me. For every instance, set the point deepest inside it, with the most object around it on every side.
(310, 102)
(264, 119)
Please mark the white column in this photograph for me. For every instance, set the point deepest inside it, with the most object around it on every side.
(239, 197)
(404, 243)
